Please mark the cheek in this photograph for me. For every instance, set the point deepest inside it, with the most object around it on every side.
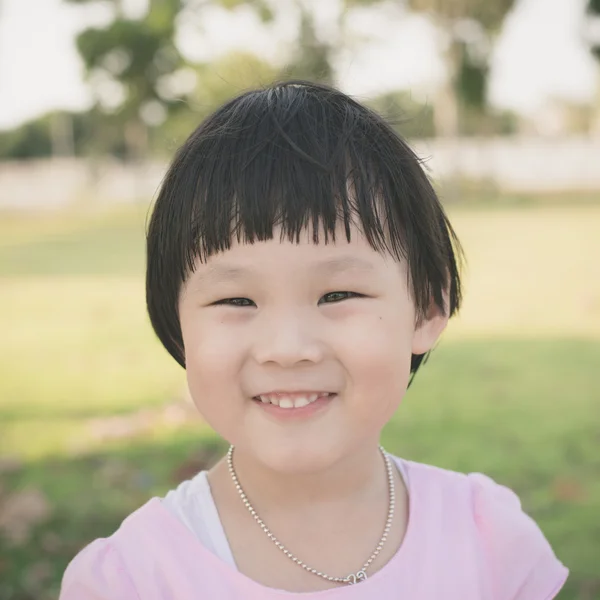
(379, 336)
(377, 356)
(212, 361)
(210, 346)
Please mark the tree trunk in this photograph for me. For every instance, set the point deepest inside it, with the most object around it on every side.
(61, 132)
(445, 108)
(136, 139)
(446, 115)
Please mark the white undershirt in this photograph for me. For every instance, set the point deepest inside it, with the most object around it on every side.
(193, 504)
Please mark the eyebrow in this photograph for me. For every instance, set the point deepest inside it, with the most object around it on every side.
(344, 263)
(222, 273)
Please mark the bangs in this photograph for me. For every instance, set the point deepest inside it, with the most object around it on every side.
(282, 174)
(288, 160)
(296, 156)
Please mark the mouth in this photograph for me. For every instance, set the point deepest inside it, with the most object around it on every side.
(292, 400)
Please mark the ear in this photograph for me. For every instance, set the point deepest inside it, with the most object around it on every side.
(429, 328)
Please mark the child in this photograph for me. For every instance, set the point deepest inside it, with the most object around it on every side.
(300, 268)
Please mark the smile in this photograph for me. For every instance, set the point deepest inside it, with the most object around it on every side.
(292, 400)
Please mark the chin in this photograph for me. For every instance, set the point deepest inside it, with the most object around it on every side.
(296, 457)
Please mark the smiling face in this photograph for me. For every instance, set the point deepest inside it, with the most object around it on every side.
(276, 316)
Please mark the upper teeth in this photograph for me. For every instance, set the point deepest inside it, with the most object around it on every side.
(291, 401)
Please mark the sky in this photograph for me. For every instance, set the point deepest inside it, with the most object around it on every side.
(540, 53)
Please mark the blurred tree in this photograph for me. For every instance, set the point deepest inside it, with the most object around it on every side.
(592, 11)
(415, 119)
(231, 74)
(127, 62)
(593, 14)
(264, 8)
(217, 82)
(38, 138)
(466, 28)
(31, 140)
(61, 130)
(312, 57)
(411, 118)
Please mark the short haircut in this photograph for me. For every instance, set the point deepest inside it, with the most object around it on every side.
(298, 155)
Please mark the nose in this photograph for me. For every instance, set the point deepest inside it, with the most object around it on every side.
(288, 339)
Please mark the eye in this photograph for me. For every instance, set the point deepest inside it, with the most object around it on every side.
(235, 302)
(333, 297)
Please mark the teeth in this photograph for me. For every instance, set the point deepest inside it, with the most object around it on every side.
(286, 403)
(295, 401)
(301, 401)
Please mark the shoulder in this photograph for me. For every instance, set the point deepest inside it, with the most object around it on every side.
(97, 573)
(102, 570)
(151, 555)
(521, 561)
(514, 555)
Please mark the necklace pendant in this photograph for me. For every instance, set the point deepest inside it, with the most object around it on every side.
(356, 577)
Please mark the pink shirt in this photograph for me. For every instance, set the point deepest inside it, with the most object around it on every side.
(467, 539)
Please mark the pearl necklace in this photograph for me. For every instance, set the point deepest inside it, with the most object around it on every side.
(352, 578)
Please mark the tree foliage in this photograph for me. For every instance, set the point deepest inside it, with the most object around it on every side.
(135, 62)
(37, 138)
(489, 13)
(410, 117)
(467, 69)
(471, 79)
(217, 82)
(593, 11)
(593, 7)
(312, 57)
(137, 55)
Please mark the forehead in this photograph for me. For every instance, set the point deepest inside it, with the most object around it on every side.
(309, 243)
(279, 253)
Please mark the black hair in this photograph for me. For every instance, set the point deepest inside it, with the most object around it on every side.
(296, 154)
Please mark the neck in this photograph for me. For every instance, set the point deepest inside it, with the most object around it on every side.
(355, 479)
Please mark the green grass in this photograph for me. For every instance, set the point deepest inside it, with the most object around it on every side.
(511, 391)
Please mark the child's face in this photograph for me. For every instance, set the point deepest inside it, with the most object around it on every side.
(292, 335)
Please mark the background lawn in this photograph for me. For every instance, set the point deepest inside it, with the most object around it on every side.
(94, 417)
